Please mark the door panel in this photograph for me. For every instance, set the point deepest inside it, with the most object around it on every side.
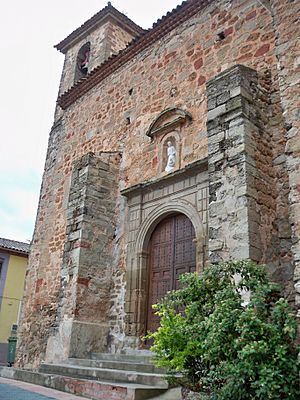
(172, 253)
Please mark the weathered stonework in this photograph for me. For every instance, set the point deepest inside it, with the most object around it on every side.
(245, 221)
(232, 168)
(84, 296)
(228, 71)
(286, 21)
(234, 128)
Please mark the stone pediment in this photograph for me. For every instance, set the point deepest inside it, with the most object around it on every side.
(168, 120)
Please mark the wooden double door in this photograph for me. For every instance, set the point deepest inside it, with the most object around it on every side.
(172, 253)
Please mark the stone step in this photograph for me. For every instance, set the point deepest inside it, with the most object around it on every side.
(139, 356)
(171, 394)
(107, 374)
(113, 363)
(89, 388)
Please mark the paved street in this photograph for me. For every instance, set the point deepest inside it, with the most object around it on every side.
(17, 390)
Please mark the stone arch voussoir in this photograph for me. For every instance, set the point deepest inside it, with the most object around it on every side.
(159, 213)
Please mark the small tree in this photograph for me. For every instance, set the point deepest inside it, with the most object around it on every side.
(212, 343)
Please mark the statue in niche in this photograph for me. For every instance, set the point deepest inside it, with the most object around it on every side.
(171, 152)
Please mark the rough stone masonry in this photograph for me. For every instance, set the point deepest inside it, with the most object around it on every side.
(217, 80)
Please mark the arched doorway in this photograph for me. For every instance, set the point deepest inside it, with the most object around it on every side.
(172, 252)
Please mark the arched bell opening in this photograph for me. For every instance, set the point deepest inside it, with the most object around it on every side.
(82, 62)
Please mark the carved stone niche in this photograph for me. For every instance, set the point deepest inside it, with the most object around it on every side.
(166, 131)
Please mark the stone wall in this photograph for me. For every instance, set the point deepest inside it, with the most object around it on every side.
(115, 115)
(286, 20)
(117, 37)
(171, 73)
(42, 281)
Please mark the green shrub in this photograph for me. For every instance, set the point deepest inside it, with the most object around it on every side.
(212, 343)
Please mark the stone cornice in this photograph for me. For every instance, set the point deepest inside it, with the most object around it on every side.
(188, 170)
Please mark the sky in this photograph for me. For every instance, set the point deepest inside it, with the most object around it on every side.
(30, 70)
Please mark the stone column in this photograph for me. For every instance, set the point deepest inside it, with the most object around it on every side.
(232, 126)
(86, 276)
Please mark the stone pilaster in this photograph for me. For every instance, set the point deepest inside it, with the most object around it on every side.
(86, 276)
(232, 126)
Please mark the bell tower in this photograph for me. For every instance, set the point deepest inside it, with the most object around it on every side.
(102, 36)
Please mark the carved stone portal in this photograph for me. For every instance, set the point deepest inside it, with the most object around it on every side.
(184, 192)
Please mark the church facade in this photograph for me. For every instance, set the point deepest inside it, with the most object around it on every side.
(171, 148)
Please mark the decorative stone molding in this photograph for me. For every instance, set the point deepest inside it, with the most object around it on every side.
(167, 121)
(165, 130)
(157, 214)
(183, 191)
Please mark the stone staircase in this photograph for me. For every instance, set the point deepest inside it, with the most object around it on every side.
(103, 377)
